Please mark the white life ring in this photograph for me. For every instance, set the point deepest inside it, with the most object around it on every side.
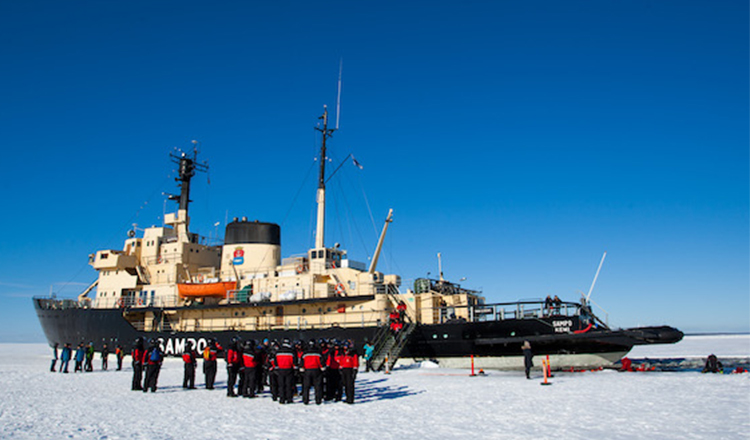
(340, 289)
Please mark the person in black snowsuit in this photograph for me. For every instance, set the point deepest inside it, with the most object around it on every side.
(713, 365)
(89, 366)
(119, 354)
(250, 361)
(273, 376)
(137, 355)
(261, 371)
(105, 357)
(54, 359)
(233, 358)
(527, 358)
(152, 360)
(189, 357)
(210, 355)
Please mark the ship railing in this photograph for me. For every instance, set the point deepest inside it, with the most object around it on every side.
(146, 302)
(443, 287)
(58, 304)
(504, 311)
(296, 323)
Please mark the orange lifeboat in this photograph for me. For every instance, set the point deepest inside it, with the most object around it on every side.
(200, 290)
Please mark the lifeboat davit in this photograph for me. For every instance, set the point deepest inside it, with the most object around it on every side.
(201, 290)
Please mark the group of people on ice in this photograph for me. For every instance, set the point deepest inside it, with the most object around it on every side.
(83, 357)
(327, 367)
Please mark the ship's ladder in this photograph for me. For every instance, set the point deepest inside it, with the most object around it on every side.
(388, 346)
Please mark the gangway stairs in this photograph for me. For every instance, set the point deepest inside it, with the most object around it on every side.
(388, 346)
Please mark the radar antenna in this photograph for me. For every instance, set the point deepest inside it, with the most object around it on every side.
(187, 165)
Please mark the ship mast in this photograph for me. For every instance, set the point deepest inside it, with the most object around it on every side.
(321, 195)
(187, 166)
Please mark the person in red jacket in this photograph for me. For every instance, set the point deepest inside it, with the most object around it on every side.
(285, 362)
(401, 309)
(395, 322)
(137, 355)
(312, 373)
(250, 364)
(189, 358)
(333, 373)
(349, 362)
(233, 366)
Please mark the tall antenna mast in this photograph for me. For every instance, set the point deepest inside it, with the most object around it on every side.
(321, 195)
(595, 277)
(338, 94)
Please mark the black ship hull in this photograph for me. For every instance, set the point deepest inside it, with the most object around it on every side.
(571, 339)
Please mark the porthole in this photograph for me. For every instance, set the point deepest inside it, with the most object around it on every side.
(445, 336)
(434, 336)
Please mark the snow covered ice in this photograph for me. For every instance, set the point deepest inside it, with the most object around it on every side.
(414, 402)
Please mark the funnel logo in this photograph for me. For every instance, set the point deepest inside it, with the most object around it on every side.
(239, 256)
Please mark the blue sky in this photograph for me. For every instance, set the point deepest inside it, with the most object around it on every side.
(520, 140)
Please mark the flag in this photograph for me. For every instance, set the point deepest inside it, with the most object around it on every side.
(356, 164)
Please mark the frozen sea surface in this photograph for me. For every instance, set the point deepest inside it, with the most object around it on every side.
(416, 402)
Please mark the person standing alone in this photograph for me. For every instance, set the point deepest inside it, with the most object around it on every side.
(527, 358)
(119, 354)
(368, 348)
